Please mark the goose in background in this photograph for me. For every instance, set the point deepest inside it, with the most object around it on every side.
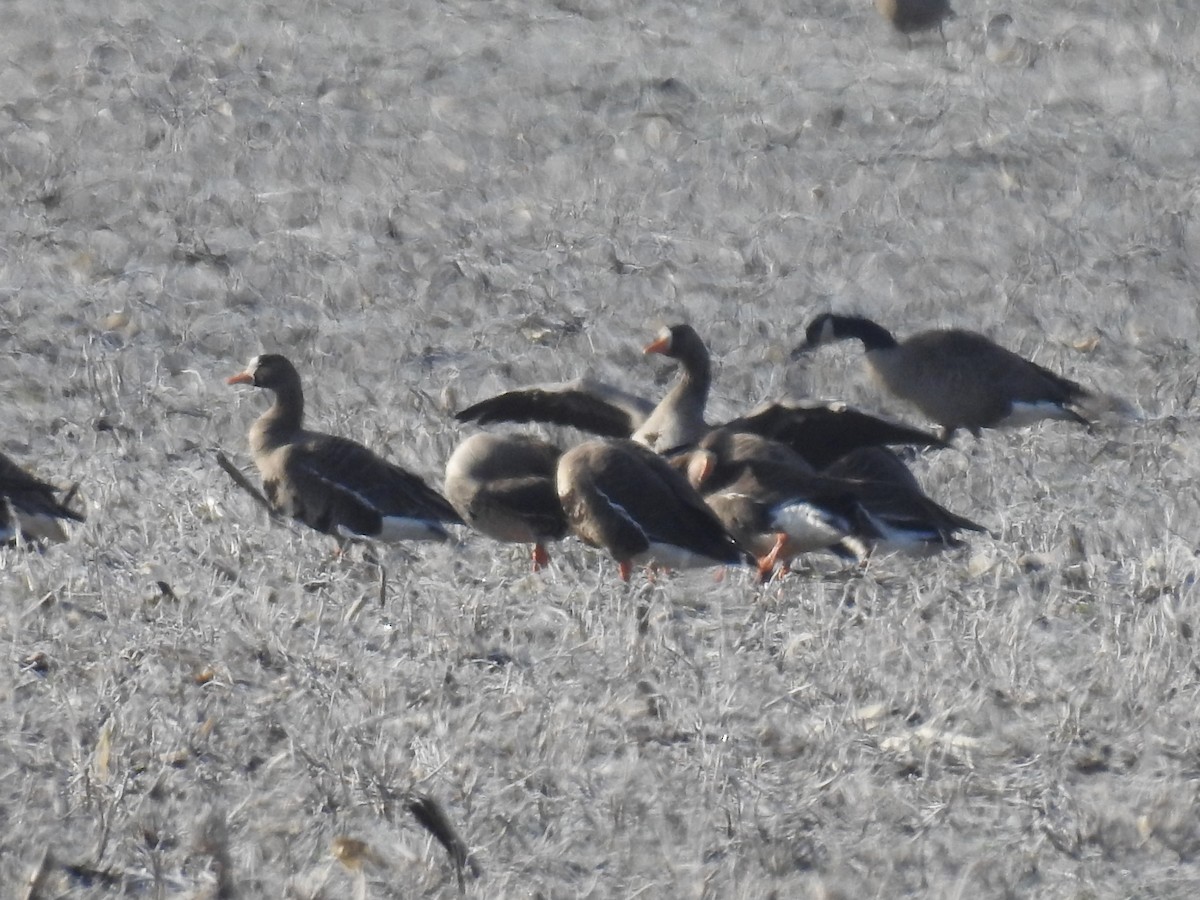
(621, 497)
(29, 507)
(503, 487)
(820, 432)
(959, 379)
(333, 484)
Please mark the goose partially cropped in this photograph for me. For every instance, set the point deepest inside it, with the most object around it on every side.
(959, 379)
(331, 483)
(29, 507)
(503, 487)
(621, 497)
(820, 432)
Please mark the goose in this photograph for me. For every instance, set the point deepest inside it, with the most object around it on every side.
(896, 508)
(621, 497)
(820, 432)
(773, 502)
(910, 16)
(333, 484)
(503, 486)
(959, 379)
(29, 507)
(608, 411)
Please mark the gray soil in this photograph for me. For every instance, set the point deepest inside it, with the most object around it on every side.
(424, 203)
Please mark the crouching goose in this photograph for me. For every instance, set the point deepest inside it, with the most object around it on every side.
(772, 502)
(621, 497)
(819, 432)
(503, 487)
(29, 507)
(331, 483)
(959, 379)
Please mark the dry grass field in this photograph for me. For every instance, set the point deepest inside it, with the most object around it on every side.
(423, 203)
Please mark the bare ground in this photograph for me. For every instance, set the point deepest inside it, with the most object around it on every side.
(422, 203)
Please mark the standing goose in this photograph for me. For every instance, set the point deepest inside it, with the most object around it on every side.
(896, 507)
(330, 483)
(959, 379)
(503, 487)
(29, 508)
(621, 497)
(819, 432)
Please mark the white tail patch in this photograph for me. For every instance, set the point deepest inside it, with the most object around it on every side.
(808, 527)
(1024, 413)
(401, 528)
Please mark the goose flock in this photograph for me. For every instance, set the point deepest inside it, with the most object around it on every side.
(658, 485)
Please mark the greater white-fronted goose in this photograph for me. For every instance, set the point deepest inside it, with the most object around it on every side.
(503, 487)
(605, 410)
(772, 501)
(29, 507)
(621, 497)
(959, 379)
(331, 483)
(903, 516)
(911, 16)
(820, 432)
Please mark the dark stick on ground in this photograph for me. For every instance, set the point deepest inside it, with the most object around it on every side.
(241, 481)
(433, 818)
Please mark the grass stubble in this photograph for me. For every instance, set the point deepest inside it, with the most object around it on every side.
(424, 203)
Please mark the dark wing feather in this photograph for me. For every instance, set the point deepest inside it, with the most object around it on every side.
(585, 404)
(359, 488)
(691, 523)
(821, 433)
(534, 499)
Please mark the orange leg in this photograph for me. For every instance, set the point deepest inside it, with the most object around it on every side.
(766, 565)
(625, 569)
(541, 558)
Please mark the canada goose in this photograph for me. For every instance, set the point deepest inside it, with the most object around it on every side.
(909, 16)
(503, 487)
(772, 502)
(621, 497)
(29, 508)
(820, 432)
(959, 379)
(902, 515)
(330, 483)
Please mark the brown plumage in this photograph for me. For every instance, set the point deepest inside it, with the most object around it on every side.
(820, 432)
(621, 497)
(330, 483)
(898, 510)
(503, 487)
(605, 410)
(30, 508)
(959, 379)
